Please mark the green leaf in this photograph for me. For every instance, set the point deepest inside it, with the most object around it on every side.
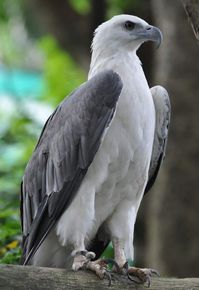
(61, 74)
(83, 7)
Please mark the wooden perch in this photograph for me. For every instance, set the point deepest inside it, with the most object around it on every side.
(192, 9)
(33, 278)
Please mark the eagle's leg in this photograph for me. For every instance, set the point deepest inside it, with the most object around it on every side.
(83, 260)
(80, 254)
(137, 275)
(119, 254)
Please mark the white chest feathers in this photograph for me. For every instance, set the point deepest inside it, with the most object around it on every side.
(119, 171)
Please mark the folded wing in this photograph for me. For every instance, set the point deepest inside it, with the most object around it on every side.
(66, 148)
(163, 113)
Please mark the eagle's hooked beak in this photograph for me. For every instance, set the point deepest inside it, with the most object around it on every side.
(154, 34)
(150, 33)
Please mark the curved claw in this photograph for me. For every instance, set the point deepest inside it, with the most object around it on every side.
(126, 266)
(99, 267)
(138, 280)
(134, 278)
(155, 272)
(108, 276)
(141, 276)
(111, 262)
(148, 281)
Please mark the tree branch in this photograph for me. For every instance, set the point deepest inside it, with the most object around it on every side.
(23, 278)
(192, 9)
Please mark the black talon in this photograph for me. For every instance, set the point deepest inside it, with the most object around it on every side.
(134, 279)
(155, 272)
(108, 276)
(126, 266)
(124, 269)
(148, 281)
(111, 262)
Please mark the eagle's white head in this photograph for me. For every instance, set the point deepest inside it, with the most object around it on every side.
(118, 38)
(124, 33)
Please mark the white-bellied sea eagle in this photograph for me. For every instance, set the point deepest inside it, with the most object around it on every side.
(97, 155)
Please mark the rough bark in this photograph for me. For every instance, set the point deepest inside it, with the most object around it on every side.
(32, 278)
(192, 9)
(173, 219)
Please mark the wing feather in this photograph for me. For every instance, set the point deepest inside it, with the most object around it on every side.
(66, 148)
(163, 114)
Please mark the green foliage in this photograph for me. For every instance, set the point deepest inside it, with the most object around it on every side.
(3, 14)
(9, 233)
(8, 8)
(8, 48)
(120, 6)
(11, 256)
(61, 74)
(83, 7)
(18, 136)
(11, 47)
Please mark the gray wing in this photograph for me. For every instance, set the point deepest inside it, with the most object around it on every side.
(163, 113)
(66, 148)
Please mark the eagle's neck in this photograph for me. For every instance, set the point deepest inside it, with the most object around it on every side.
(126, 64)
(135, 93)
(119, 61)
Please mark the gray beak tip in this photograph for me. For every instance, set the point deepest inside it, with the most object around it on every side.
(159, 42)
(158, 37)
(154, 34)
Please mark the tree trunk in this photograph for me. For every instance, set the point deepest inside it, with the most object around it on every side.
(66, 25)
(98, 15)
(72, 31)
(173, 217)
(192, 9)
(31, 278)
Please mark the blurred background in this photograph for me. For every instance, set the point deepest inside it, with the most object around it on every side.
(44, 54)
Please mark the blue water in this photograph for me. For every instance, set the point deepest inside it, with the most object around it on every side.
(20, 83)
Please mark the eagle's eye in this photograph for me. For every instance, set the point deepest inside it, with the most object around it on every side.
(129, 25)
